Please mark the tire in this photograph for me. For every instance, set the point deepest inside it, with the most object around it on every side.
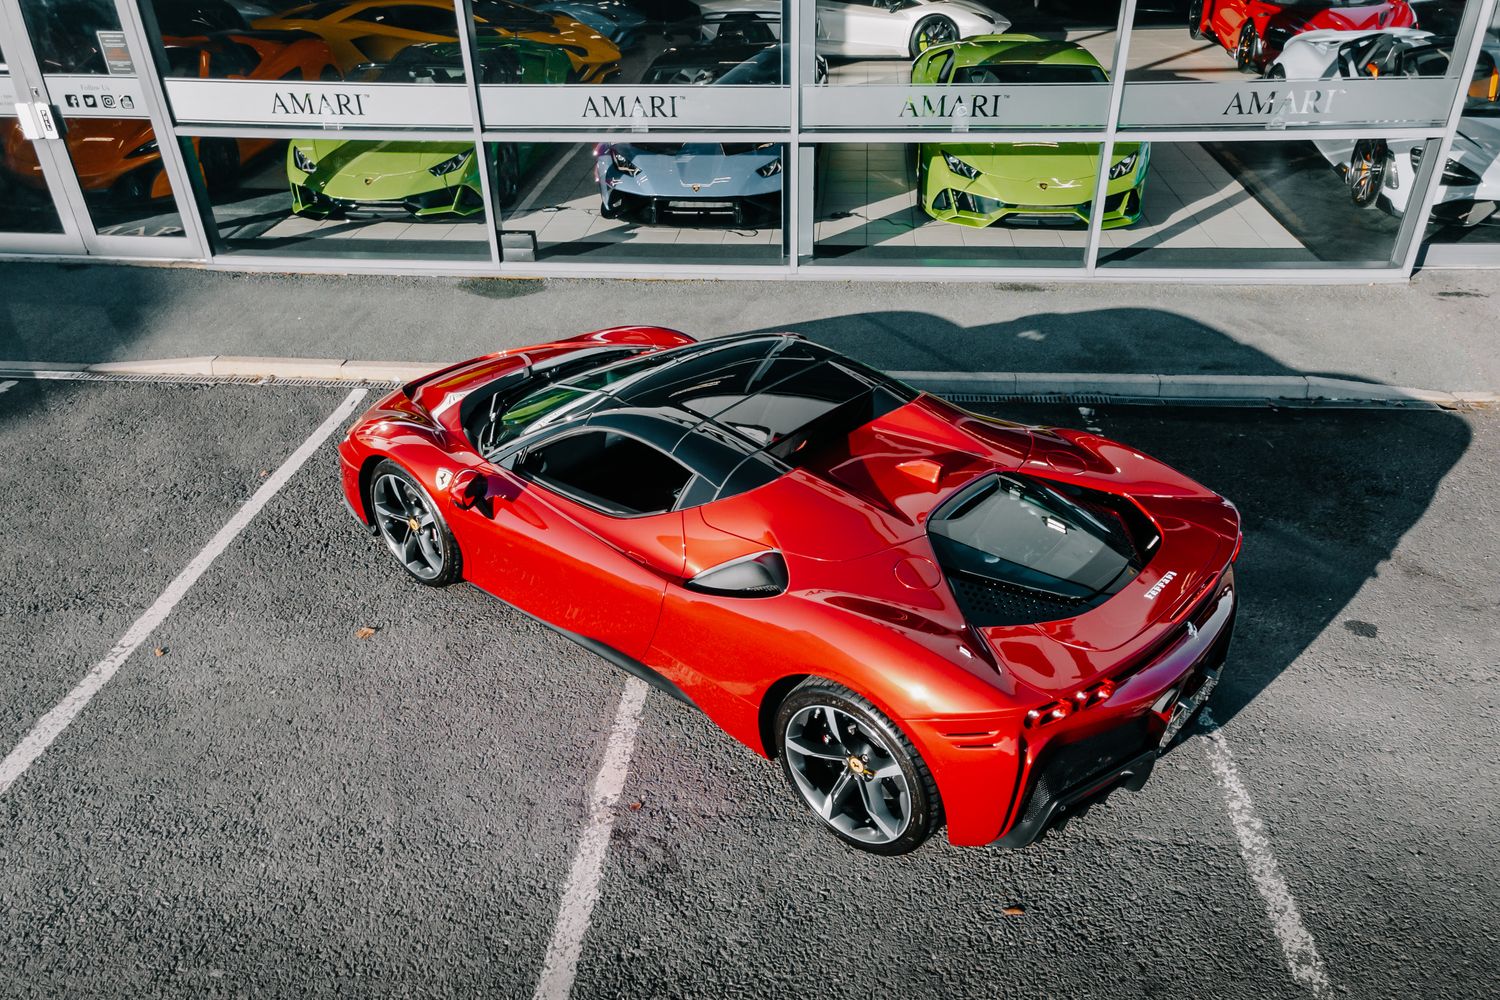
(1366, 174)
(930, 31)
(1277, 72)
(395, 500)
(1195, 20)
(894, 812)
(220, 160)
(507, 179)
(1249, 51)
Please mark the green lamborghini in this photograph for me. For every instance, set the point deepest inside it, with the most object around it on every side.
(1029, 183)
(337, 176)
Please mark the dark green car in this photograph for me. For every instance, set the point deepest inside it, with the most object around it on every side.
(1046, 183)
(337, 176)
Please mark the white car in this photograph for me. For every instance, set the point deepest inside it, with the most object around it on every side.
(896, 29)
(1380, 172)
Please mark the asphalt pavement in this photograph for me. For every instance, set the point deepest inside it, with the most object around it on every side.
(1437, 332)
(263, 803)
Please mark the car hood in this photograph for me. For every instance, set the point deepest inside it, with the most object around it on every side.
(355, 168)
(1058, 163)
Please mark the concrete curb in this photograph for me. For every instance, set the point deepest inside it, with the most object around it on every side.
(1222, 390)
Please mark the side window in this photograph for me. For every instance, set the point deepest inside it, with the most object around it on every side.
(607, 470)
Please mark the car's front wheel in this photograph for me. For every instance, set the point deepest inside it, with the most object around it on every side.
(412, 527)
(930, 31)
(1367, 172)
(1248, 53)
(1195, 20)
(855, 770)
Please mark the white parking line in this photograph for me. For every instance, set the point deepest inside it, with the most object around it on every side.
(51, 725)
(582, 889)
(1297, 944)
(7, 386)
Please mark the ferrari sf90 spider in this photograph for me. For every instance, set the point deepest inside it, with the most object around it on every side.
(930, 617)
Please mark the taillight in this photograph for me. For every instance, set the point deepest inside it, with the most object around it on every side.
(1083, 698)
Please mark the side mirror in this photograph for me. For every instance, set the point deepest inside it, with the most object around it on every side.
(467, 489)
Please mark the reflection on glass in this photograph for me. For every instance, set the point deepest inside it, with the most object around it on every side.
(500, 60)
(351, 198)
(966, 203)
(119, 167)
(25, 204)
(1467, 207)
(865, 39)
(211, 39)
(1233, 204)
(65, 34)
(747, 46)
(670, 202)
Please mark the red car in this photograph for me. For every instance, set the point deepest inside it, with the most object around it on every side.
(1255, 30)
(930, 617)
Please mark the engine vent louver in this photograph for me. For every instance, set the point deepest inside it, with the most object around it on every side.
(997, 603)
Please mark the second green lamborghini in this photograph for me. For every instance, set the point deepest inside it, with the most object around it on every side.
(1028, 183)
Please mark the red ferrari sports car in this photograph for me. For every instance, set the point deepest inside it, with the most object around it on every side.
(1255, 30)
(931, 617)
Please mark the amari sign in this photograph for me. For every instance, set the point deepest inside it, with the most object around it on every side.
(326, 105)
(956, 108)
(637, 109)
(1287, 103)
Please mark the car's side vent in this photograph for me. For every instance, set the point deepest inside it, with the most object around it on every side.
(994, 602)
(763, 574)
(981, 739)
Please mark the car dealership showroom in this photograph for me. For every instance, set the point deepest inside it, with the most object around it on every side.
(1322, 140)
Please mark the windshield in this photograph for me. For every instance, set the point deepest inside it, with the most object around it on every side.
(1004, 73)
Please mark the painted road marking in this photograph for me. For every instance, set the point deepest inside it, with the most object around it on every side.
(51, 725)
(581, 892)
(7, 386)
(1297, 944)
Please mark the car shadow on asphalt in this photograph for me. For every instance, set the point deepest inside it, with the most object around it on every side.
(1326, 494)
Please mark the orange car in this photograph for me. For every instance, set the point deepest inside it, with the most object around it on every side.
(367, 31)
(121, 154)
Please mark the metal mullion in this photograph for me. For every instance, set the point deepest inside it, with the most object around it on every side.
(1432, 166)
(148, 74)
(467, 46)
(791, 156)
(1107, 146)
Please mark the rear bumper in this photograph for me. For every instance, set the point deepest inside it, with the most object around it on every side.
(1121, 748)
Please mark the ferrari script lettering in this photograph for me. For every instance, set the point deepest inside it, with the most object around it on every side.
(318, 105)
(1280, 103)
(1161, 585)
(655, 106)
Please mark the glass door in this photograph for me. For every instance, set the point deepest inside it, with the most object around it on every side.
(30, 192)
(98, 146)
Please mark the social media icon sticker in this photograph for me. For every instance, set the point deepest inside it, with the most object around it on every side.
(71, 100)
(107, 100)
(90, 101)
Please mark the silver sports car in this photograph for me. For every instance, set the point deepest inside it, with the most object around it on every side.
(651, 181)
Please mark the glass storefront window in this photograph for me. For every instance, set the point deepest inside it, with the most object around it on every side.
(1467, 208)
(337, 196)
(1289, 204)
(25, 204)
(985, 204)
(645, 202)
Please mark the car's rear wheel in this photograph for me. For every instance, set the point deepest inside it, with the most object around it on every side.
(1195, 20)
(930, 31)
(1247, 54)
(412, 527)
(220, 159)
(855, 770)
(1367, 172)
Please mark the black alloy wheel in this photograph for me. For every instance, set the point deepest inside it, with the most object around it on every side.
(1367, 172)
(1195, 20)
(1247, 54)
(412, 527)
(855, 770)
(930, 31)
